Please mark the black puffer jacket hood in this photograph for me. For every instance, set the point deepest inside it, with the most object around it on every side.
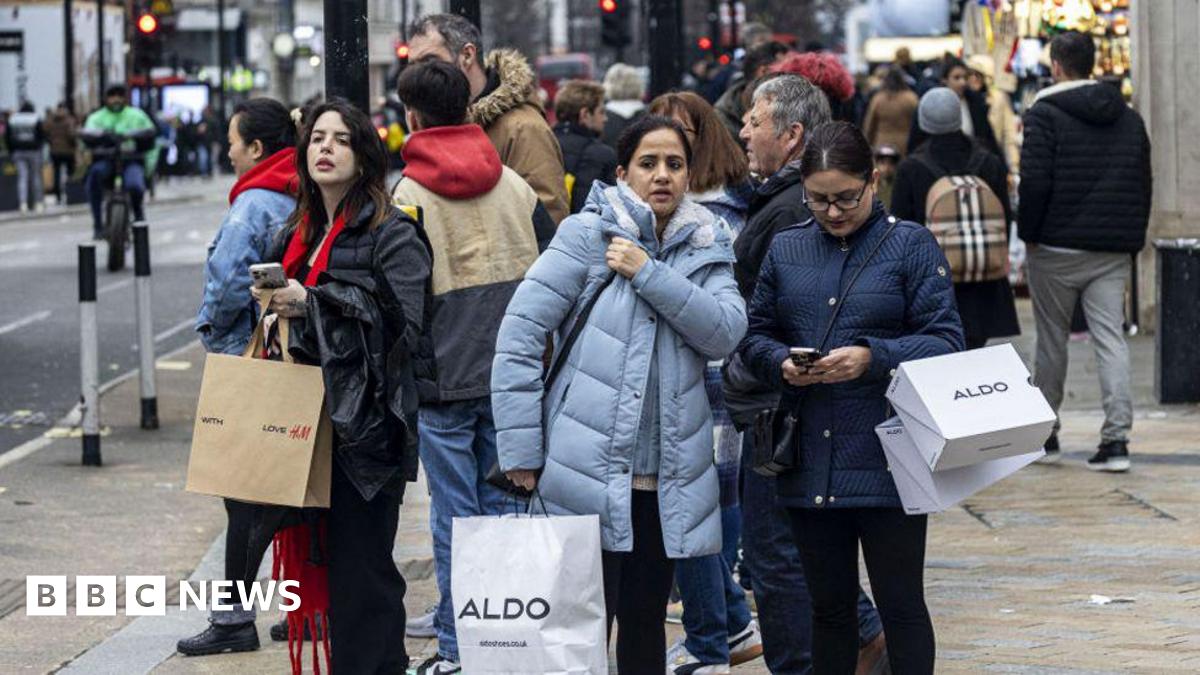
(1094, 104)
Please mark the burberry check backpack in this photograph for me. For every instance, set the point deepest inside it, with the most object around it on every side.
(967, 219)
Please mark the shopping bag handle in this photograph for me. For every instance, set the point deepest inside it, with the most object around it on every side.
(259, 337)
(516, 503)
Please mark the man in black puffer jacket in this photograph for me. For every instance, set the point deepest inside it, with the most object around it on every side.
(1084, 209)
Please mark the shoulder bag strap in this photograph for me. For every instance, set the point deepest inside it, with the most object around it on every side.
(837, 309)
(561, 354)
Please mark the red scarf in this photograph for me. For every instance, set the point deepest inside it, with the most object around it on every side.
(297, 252)
(294, 550)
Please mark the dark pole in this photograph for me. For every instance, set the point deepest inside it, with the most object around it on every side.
(287, 66)
(733, 26)
(469, 9)
(101, 77)
(68, 54)
(404, 20)
(222, 63)
(347, 62)
(714, 24)
(665, 46)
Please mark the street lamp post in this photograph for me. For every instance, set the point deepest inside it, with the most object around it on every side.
(68, 54)
(665, 46)
(101, 78)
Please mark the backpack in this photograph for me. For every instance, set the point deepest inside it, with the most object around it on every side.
(967, 218)
(569, 174)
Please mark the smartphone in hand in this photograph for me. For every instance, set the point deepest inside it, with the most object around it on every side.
(804, 357)
(268, 275)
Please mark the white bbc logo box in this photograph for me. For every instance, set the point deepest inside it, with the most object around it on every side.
(95, 595)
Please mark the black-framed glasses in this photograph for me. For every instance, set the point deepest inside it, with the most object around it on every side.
(821, 205)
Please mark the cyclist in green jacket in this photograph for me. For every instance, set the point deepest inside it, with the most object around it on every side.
(121, 127)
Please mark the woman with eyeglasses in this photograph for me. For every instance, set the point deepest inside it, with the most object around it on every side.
(868, 291)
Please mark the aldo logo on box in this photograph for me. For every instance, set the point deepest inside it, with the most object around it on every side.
(981, 390)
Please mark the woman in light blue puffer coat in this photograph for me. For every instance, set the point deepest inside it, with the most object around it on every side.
(625, 430)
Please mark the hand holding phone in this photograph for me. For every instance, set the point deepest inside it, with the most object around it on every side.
(268, 275)
(804, 357)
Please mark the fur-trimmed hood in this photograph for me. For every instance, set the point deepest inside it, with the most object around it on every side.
(619, 205)
(516, 87)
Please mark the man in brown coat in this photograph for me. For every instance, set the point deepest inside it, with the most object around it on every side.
(61, 130)
(504, 101)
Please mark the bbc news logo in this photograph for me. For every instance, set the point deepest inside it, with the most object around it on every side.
(147, 595)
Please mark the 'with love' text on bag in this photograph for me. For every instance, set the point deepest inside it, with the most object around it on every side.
(529, 595)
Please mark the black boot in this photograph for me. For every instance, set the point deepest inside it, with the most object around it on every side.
(279, 631)
(217, 639)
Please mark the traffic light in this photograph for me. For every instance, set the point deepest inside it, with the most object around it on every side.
(147, 43)
(614, 23)
(704, 43)
(147, 24)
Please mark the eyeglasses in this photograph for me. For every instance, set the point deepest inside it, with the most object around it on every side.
(821, 205)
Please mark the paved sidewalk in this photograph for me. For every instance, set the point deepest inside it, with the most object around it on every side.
(1010, 578)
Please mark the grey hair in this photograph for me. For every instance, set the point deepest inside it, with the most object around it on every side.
(455, 29)
(623, 83)
(754, 34)
(794, 100)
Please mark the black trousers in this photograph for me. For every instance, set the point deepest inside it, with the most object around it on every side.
(59, 162)
(636, 588)
(893, 546)
(242, 557)
(366, 591)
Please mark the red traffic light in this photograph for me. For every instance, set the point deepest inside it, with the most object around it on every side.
(724, 60)
(402, 51)
(704, 43)
(608, 6)
(147, 24)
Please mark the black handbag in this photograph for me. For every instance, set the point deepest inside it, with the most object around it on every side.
(495, 477)
(777, 432)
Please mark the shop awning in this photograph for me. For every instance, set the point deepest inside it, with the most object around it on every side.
(883, 50)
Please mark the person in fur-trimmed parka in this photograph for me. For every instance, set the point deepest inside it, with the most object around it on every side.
(504, 101)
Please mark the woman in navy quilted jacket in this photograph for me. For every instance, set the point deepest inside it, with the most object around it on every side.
(900, 307)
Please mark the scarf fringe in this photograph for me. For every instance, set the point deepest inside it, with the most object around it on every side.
(299, 556)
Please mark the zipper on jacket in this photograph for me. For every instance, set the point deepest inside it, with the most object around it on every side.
(845, 244)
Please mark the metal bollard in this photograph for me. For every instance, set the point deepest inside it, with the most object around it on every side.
(145, 323)
(89, 355)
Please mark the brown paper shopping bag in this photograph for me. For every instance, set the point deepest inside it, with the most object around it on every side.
(261, 432)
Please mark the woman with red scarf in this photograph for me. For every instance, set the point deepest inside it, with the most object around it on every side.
(358, 271)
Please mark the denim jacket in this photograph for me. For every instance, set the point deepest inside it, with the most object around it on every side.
(227, 313)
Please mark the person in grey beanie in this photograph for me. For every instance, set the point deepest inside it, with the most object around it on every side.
(987, 308)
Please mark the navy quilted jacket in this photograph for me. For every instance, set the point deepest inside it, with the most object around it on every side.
(901, 307)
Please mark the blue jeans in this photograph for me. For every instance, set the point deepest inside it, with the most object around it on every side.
(458, 447)
(99, 176)
(780, 590)
(714, 606)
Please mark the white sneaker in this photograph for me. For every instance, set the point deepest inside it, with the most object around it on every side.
(681, 662)
(422, 625)
(746, 645)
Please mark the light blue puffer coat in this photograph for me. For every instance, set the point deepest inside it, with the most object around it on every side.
(685, 305)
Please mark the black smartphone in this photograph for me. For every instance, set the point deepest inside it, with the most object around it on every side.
(804, 357)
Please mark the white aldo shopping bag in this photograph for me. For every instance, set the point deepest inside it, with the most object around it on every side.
(969, 407)
(923, 490)
(529, 594)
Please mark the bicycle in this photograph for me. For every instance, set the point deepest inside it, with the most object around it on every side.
(118, 220)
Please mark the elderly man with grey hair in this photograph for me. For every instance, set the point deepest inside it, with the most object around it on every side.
(624, 88)
(784, 109)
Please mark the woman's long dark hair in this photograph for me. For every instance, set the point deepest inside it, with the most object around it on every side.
(369, 188)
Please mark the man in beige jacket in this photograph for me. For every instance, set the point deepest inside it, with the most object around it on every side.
(504, 101)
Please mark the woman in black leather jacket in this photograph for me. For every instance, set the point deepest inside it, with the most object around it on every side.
(358, 270)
